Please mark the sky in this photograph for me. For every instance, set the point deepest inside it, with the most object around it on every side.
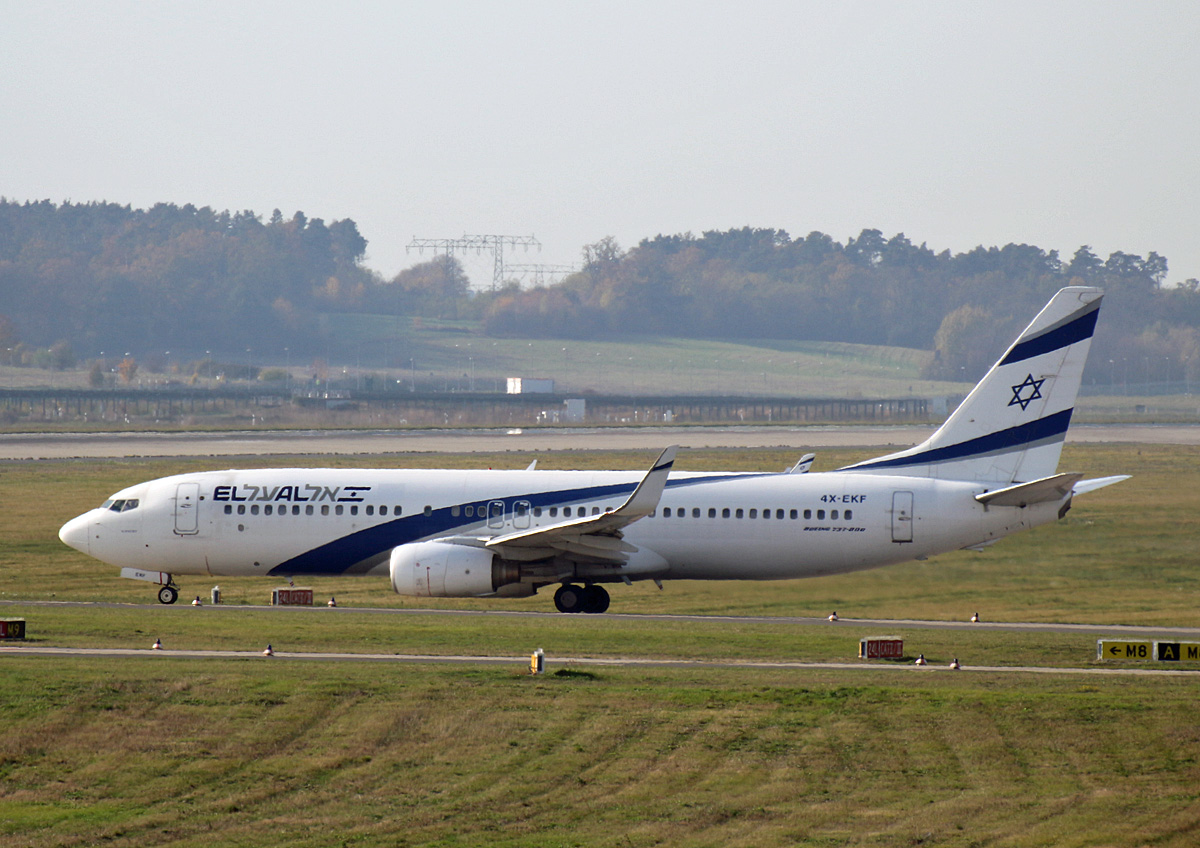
(956, 123)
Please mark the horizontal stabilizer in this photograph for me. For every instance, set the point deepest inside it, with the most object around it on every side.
(1038, 491)
(1085, 486)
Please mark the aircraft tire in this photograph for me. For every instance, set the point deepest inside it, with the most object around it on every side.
(595, 599)
(167, 595)
(570, 598)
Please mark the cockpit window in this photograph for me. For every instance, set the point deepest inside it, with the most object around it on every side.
(121, 504)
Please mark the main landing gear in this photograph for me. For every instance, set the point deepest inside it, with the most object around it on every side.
(168, 594)
(572, 598)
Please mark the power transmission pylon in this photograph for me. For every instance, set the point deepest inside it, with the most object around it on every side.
(543, 273)
(494, 243)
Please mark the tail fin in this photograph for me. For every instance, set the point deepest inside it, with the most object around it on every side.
(1011, 427)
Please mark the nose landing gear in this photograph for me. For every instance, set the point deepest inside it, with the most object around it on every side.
(168, 592)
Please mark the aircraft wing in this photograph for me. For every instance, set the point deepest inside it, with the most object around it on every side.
(594, 537)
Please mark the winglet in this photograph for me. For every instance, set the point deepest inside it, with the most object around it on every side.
(645, 497)
(803, 465)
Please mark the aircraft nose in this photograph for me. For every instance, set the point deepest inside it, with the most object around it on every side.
(77, 534)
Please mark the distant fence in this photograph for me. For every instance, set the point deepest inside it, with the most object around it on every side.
(51, 404)
(1157, 388)
(167, 405)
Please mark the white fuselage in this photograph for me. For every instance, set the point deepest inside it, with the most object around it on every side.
(296, 522)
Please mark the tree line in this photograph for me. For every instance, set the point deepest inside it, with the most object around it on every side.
(100, 276)
(754, 283)
(104, 276)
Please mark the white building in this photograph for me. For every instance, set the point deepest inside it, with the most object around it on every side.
(530, 385)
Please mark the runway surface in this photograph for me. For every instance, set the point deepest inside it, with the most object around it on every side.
(590, 662)
(31, 446)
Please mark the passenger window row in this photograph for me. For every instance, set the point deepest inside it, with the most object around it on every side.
(521, 509)
(469, 511)
(777, 514)
(309, 509)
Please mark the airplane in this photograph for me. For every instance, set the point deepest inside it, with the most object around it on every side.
(990, 470)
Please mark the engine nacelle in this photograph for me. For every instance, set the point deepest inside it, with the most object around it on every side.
(442, 570)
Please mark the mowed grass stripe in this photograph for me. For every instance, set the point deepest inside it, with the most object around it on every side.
(240, 753)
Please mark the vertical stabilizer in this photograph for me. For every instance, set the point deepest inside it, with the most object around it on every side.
(1011, 427)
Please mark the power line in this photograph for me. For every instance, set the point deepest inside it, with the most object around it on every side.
(478, 243)
(543, 274)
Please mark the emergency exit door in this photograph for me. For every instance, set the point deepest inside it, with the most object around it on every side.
(187, 500)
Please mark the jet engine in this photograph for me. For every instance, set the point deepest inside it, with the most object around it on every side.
(443, 570)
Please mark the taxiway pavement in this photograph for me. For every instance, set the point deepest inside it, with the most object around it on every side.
(35, 446)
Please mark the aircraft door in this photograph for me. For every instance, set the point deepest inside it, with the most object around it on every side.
(496, 515)
(521, 513)
(187, 511)
(902, 516)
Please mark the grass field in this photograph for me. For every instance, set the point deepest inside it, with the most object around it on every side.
(641, 365)
(443, 361)
(166, 751)
(186, 754)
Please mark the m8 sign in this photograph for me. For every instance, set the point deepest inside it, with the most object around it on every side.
(1108, 649)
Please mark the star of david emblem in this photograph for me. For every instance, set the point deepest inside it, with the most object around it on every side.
(1019, 396)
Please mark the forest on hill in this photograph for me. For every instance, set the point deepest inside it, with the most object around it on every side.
(100, 276)
(760, 283)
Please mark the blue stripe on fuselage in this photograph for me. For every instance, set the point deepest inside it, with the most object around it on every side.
(371, 545)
